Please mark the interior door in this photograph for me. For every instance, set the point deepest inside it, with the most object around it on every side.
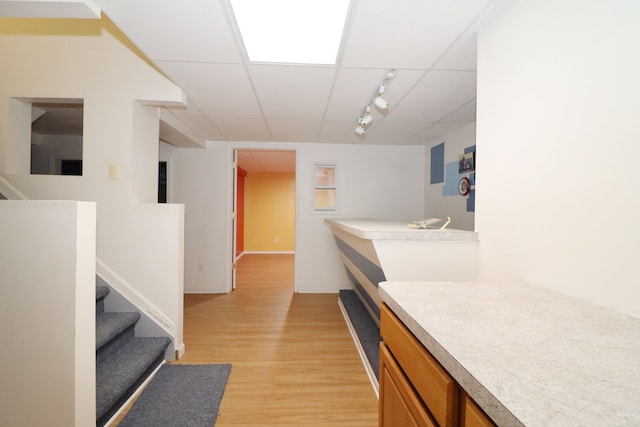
(234, 219)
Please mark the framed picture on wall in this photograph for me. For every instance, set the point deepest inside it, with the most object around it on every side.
(466, 162)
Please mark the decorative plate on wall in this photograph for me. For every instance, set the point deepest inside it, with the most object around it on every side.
(464, 185)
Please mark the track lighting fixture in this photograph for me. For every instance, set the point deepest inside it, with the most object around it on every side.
(381, 103)
(378, 100)
(366, 118)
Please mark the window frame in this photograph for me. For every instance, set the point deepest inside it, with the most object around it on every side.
(317, 187)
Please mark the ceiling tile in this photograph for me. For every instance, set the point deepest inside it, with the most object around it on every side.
(243, 129)
(221, 90)
(180, 110)
(294, 130)
(437, 95)
(339, 131)
(465, 114)
(393, 133)
(461, 56)
(292, 92)
(407, 33)
(202, 125)
(189, 30)
(435, 131)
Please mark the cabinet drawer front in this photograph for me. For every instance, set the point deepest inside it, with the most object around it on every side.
(434, 385)
(399, 404)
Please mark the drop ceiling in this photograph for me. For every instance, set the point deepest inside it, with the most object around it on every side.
(430, 43)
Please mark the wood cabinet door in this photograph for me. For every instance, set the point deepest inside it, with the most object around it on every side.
(471, 415)
(399, 403)
(432, 383)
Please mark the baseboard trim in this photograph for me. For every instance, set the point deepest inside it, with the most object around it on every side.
(267, 253)
(10, 191)
(138, 300)
(180, 351)
(367, 366)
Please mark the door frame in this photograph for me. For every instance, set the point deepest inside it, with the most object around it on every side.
(232, 204)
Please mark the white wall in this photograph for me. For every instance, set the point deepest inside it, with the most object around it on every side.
(436, 205)
(558, 134)
(121, 93)
(198, 179)
(145, 153)
(87, 62)
(47, 313)
(152, 278)
(383, 182)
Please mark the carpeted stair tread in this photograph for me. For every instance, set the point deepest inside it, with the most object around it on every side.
(110, 325)
(119, 375)
(101, 292)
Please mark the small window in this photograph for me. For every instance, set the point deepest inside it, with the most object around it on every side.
(325, 187)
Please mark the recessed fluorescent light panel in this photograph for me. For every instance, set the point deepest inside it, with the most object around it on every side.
(291, 31)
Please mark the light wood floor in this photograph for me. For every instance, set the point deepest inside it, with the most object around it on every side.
(293, 360)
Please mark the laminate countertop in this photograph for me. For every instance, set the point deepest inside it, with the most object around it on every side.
(374, 229)
(527, 355)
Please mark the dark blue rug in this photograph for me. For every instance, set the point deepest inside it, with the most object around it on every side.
(367, 331)
(180, 396)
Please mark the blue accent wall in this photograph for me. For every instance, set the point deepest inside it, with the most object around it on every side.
(437, 163)
(450, 187)
(471, 201)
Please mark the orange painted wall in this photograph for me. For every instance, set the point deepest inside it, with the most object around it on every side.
(269, 212)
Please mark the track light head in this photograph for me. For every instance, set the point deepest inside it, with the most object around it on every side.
(379, 100)
(381, 103)
(360, 130)
(365, 119)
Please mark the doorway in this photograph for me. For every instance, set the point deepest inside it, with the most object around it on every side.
(162, 182)
(265, 210)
